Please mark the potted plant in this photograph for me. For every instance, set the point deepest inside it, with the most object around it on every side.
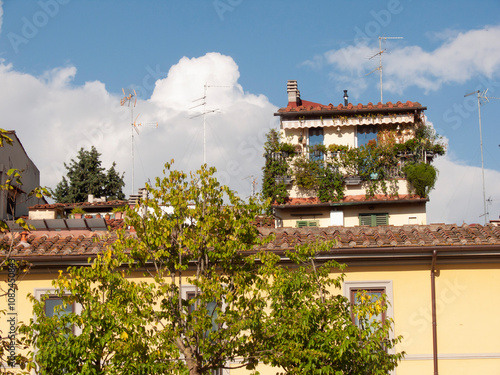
(317, 150)
(336, 150)
(77, 212)
(118, 211)
(287, 149)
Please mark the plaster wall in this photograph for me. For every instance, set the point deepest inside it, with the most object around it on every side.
(466, 309)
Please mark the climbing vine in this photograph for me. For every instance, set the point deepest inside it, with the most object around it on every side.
(323, 170)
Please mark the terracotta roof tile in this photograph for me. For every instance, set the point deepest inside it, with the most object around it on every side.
(353, 199)
(86, 244)
(114, 203)
(316, 107)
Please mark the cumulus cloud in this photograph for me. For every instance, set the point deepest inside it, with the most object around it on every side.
(460, 57)
(55, 118)
(458, 195)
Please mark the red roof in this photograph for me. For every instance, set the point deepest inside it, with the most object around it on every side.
(307, 106)
(66, 206)
(43, 246)
(403, 198)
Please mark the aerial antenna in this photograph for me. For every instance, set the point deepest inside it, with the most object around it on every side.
(203, 103)
(127, 100)
(482, 98)
(254, 183)
(379, 54)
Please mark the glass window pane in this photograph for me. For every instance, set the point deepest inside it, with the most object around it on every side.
(50, 305)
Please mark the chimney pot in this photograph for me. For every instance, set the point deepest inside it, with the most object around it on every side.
(293, 92)
(346, 98)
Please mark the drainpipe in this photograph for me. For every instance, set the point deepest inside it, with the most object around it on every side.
(434, 323)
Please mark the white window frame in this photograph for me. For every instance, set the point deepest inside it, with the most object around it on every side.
(375, 284)
(185, 289)
(40, 292)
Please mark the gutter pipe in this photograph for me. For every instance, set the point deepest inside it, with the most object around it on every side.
(434, 322)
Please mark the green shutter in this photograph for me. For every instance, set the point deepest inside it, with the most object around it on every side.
(301, 223)
(381, 219)
(365, 219)
(374, 220)
(307, 223)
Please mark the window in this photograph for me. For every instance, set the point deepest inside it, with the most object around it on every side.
(52, 302)
(315, 136)
(307, 223)
(374, 293)
(210, 307)
(366, 134)
(375, 288)
(374, 220)
(190, 292)
(315, 139)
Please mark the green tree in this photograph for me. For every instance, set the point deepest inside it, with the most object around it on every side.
(85, 176)
(205, 300)
(308, 328)
(109, 335)
(185, 222)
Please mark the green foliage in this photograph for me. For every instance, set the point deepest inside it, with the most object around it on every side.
(86, 176)
(306, 172)
(276, 167)
(287, 148)
(246, 307)
(309, 330)
(377, 164)
(77, 210)
(109, 335)
(422, 177)
(331, 185)
(153, 323)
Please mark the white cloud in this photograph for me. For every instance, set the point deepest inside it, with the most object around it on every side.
(458, 196)
(54, 119)
(460, 57)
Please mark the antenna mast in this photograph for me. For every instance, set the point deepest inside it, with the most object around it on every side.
(127, 99)
(204, 113)
(482, 99)
(379, 54)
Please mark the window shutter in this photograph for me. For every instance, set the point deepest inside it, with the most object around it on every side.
(374, 220)
(307, 223)
(381, 219)
(365, 220)
(301, 223)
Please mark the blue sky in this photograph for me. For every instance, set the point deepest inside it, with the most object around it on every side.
(64, 63)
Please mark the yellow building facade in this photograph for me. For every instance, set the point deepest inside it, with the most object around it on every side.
(440, 281)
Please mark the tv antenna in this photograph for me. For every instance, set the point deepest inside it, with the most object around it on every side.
(127, 100)
(204, 113)
(482, 98)
(254, 183)
(379, 54)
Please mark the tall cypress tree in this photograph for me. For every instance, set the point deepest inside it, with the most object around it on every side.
(86, 176)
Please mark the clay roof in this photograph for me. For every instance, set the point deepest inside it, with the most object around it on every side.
(316, 108)
(314, 201)
(67, 206)
(432, 235)
(69, 246)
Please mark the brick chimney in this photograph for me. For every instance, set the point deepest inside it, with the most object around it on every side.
(293, 94)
